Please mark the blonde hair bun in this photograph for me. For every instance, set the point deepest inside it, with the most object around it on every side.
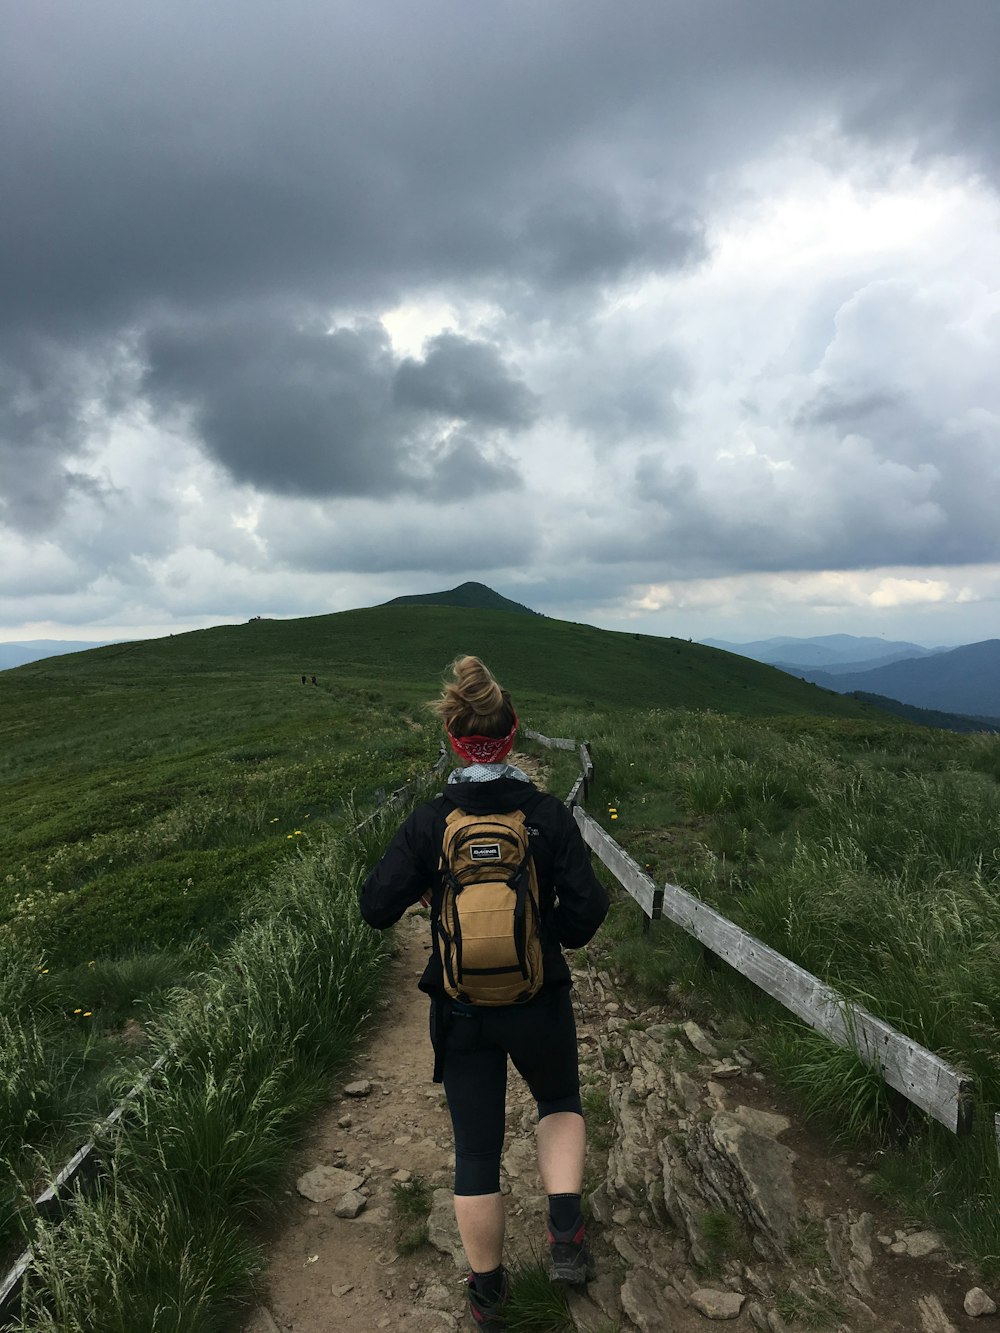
(472, 702)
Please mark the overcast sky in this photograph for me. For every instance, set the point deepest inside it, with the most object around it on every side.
(672, 317)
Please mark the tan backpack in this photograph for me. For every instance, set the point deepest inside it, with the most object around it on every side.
(487, 928)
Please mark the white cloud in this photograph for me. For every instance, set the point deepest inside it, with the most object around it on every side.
(932, 606)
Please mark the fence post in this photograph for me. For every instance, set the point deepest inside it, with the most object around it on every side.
(655, 911)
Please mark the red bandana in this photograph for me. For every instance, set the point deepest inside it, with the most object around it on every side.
(484, 749)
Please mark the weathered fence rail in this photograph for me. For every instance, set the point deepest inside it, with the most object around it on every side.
(581, 786)
(942, 1091)
(51, 1200)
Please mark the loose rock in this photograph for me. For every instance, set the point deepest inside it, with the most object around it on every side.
(324, 1183)
(351, 1204)
(919, 1245)
(361, 1088)
(717, 1304)
(438, 1297)
(978, 1303)
(699, 1041)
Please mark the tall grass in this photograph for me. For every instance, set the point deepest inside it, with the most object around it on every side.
(167, 1241)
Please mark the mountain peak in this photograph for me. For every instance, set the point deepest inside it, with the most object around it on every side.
(475, 596)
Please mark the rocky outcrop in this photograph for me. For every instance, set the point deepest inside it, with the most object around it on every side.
(739, 1167)
(678, 1159)
(695, 1159)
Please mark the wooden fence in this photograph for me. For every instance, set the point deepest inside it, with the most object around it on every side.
(917, 1073)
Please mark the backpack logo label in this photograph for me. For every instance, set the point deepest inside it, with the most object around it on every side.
(486, 851)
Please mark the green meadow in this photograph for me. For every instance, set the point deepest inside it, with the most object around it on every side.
(179, 876)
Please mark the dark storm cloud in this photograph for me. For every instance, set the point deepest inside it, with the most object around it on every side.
(459, 377)
(154, 154)
(591, 235)
(193, 154)
(182, 176)
(294, 409)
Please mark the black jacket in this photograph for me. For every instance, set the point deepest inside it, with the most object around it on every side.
(573, 901)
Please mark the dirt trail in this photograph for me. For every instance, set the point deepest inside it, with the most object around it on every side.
(330, 1273)
(336, 1273)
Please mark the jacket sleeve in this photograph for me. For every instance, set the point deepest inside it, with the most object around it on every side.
(404, 873)
(582, 903)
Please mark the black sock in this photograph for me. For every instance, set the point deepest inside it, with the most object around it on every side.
(489, 1285)
(564, 1211)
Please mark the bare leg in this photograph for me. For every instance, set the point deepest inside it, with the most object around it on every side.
(562, 1145)
(480, 1219)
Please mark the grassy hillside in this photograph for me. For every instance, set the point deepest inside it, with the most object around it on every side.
(388, 645)
(187, 764)
(930, 717)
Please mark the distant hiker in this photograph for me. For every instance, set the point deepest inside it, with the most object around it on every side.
(303, 680)
(445, 849)
(313, 680)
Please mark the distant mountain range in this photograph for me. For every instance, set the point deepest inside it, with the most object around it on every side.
(829, 652)
(476, 596)
(963, 680)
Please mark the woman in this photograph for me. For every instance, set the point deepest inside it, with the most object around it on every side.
(472, 1042)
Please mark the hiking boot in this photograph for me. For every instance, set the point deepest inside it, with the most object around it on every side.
(487, 1315)
(570, 1259)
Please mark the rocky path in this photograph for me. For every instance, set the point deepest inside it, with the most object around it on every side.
(709, 1202)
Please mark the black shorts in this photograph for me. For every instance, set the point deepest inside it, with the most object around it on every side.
(540, 1039)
